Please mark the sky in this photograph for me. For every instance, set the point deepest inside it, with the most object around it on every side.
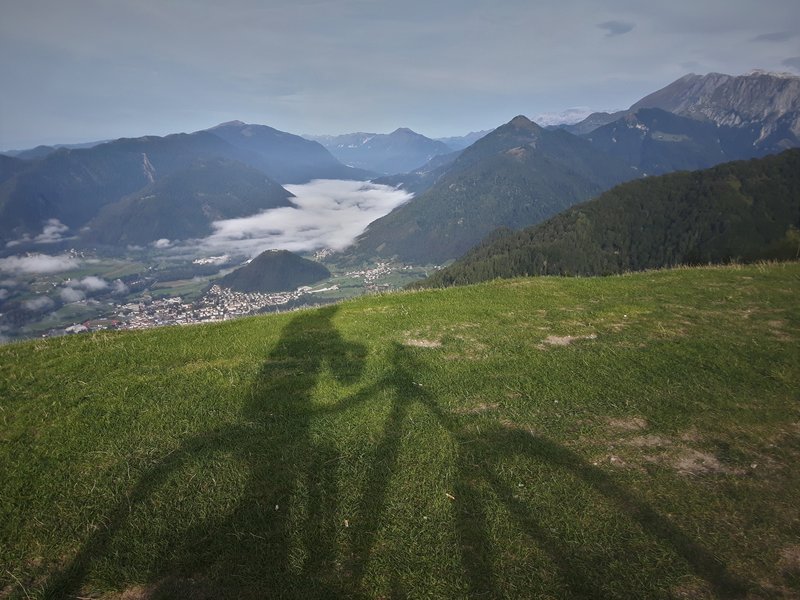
(87, 70)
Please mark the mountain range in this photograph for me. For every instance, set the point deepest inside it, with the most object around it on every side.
(515, 176)
(763, 107)
(397, 152)
(135, 191)
(184, 203)
(75, 185)
(743, 210)
(719, 118)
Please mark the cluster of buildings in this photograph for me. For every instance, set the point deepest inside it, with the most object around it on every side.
(218, 304)
(370, 276)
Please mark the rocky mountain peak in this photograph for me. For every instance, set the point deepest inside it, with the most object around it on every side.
(523, 122)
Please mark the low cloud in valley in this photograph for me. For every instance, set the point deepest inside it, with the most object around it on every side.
(39, 303)
(69, 295)
(328, 214)
(38, 264)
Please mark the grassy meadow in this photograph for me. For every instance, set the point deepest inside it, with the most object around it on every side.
(633, 436)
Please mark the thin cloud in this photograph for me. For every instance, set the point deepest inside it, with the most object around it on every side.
(793, 62)
(52, 232)
(775, 36)
(327, 214)
(93, 283)
(88, 284)
(615, 28)
(38, 263)
(118, 288)
(38, 304)
(565, 117)
(70, 295)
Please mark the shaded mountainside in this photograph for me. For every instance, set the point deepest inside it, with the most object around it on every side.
(388, 153)
(10, 166)
(608, 438)
(184, 204)
(593, 121)
(747, 210)
(73, 185)
(285, 157)
(275, 271)
(421, 179)
(656, 142)
(42, 151)
(517, 175)
(763, 107)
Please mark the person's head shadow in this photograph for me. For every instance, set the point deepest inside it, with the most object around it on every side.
(310, 347)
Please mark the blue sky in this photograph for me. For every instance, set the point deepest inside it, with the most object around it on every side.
(96, 69)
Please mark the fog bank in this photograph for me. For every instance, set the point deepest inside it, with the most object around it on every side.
(328, 213)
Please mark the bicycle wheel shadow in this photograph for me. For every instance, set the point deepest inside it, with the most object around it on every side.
(478, 482)
(278, 538)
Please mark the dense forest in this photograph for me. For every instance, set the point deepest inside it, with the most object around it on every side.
(739, 211)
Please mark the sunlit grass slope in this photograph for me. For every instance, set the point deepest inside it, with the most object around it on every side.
(625, 437)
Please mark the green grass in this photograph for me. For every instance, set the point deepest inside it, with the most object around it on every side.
(429, 445)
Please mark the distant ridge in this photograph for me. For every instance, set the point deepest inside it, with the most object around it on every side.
(763, 106)
(285, 157)
(385, 153)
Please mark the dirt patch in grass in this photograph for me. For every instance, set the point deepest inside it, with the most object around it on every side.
(171, 587)
(695, 462)
(693, 590)
(507, 423)
(422, 343)
(627, 423)
(649, 441)
(565, 340)
(477, 408)
(634, 448)
(778, 330)
(790, 559)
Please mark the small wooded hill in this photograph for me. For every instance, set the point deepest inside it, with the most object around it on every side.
(588, 438)
(744, 211)
(275, 271)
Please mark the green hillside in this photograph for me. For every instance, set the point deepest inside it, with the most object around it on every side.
(746, 210)
(621, 437)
